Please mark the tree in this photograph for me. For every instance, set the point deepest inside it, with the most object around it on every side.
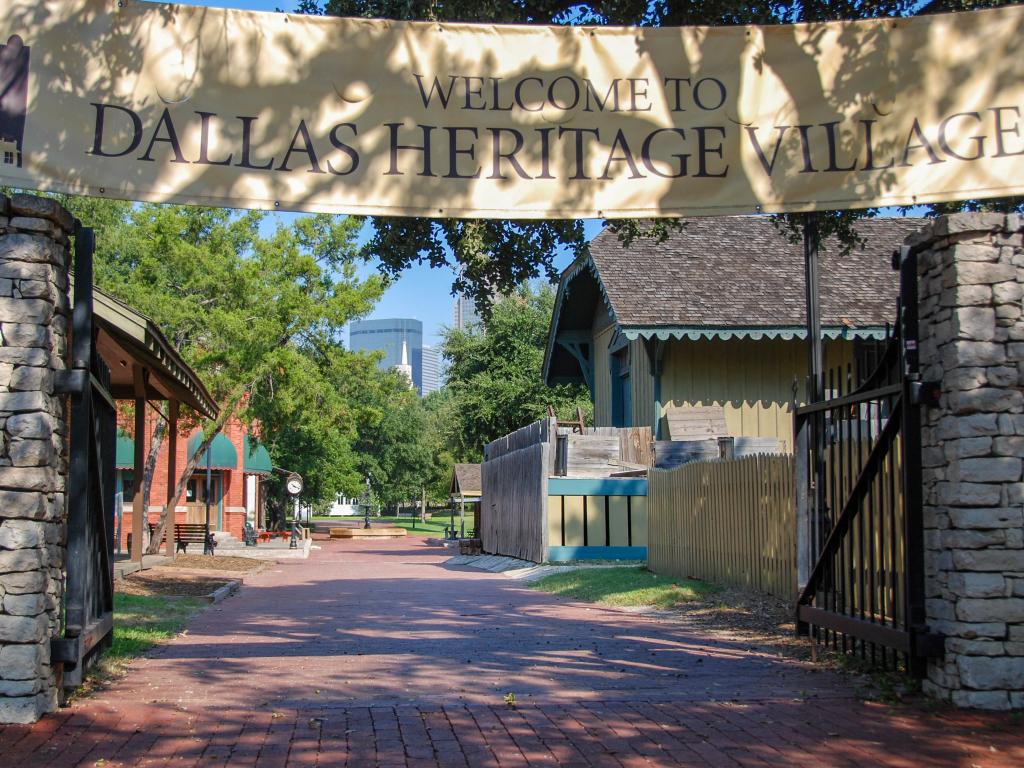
(494, 374)
(393, 446)
(258, 316)
(497, 255)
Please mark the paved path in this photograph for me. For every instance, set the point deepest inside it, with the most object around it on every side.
(377, 654)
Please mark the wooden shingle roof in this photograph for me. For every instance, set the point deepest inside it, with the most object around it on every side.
(466, 480)
(742, 272)
(724, 277)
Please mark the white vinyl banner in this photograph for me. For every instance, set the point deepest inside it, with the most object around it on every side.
(232, 108)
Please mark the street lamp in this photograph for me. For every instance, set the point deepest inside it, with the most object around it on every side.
(365, 501)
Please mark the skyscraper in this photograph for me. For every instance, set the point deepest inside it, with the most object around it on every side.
(388, 336)
(464, 313)
(431, 370)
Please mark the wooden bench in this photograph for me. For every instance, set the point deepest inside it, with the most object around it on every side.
(191, 533)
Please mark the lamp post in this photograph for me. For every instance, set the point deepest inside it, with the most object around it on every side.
(366, 501)
(207, 543)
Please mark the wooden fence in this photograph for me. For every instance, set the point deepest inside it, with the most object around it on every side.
(514, 510)
(727, 522)
(542, 431)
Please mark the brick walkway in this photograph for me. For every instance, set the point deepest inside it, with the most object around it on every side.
(376, 654)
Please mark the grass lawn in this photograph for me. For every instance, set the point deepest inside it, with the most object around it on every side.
(624, 587)
(141, 622)
(433, 527)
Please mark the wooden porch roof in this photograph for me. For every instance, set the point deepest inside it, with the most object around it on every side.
(127, 337)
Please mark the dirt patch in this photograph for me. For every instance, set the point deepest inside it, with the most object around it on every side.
(767, 624)
(215, 563)
(760, 619)
(155, 583)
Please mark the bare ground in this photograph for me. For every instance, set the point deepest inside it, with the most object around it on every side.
(214, 563)
(152, 582)
(761, 619)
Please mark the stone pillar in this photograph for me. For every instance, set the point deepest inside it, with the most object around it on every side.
(34, 321)
(971, 280)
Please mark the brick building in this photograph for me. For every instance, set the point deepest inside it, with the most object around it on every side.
(237, 466)
(146, 370)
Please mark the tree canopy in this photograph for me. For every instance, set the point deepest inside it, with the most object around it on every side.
(258, 310)
(494, 374)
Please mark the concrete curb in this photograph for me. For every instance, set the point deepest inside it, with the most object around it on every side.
(123, 568)
(222, 593)
(520, 570)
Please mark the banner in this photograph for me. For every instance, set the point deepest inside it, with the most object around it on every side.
(288, 112)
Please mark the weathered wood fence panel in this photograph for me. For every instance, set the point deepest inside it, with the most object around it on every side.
(637, 445)
(728, 522)
(593, 455)
(515, 496)
(542, 431)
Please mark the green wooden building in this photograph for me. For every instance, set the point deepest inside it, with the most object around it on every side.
(714, 316)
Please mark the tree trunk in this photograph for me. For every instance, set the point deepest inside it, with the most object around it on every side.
(227, 410)
(423, 505)
(147, 482)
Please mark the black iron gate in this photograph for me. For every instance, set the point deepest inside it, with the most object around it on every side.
(88, 608)
(859, 517)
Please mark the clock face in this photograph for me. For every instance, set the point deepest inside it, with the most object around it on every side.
(294, 486)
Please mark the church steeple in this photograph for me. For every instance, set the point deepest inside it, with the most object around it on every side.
(403, 367)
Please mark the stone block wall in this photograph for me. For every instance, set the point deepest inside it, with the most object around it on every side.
(971, 283)
(34, 319)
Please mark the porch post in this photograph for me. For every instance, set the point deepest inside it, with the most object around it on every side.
(815, 366)
(139, 463)
(815, 369)
(172, 472)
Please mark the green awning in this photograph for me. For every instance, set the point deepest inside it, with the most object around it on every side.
(222, 452)
(256, 458)
(124, 456)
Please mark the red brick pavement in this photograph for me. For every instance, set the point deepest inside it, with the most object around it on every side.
(376, 654)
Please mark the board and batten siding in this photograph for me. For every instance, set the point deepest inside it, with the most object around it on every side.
(643, 385)
(727, 522)
(751, 379)
(597, 518)
(602, 377)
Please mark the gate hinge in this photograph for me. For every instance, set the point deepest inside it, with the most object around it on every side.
(64, 650)
(925, 392)
(73, 382)
(929, 645)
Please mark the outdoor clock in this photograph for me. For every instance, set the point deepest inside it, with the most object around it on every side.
(294, 485)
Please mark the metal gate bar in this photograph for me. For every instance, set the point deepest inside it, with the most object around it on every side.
(860, 523)
(89, 589)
